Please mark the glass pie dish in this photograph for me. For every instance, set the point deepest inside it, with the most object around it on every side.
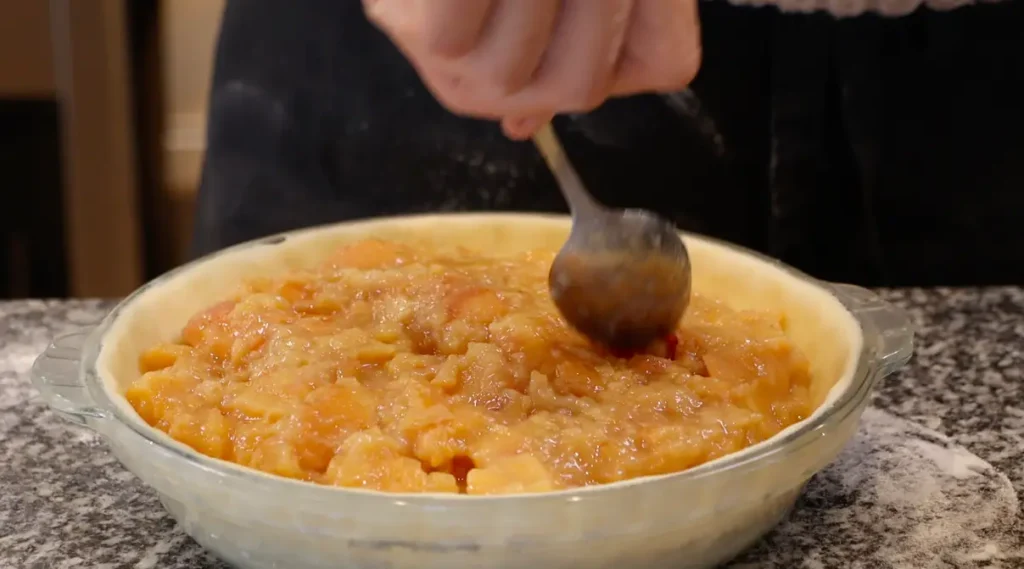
(696, 518)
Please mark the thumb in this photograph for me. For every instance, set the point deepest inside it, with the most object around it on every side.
(521, 128)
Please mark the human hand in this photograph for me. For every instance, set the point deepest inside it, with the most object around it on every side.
(523, 61)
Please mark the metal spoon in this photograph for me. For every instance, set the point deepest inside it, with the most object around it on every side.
(623, 276)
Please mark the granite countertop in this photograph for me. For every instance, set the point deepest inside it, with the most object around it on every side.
(931, 480)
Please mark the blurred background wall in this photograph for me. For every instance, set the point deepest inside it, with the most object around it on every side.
(102, 126)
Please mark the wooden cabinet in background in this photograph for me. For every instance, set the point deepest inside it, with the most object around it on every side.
(26, 53)
(74, 54)
(92, 65)
(32, 259)
(129, 80)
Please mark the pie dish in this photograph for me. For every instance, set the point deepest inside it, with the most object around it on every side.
(696, 518)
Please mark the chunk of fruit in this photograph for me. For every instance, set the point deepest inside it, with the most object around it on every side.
(512, 475)
(161, 357)
(206, 431)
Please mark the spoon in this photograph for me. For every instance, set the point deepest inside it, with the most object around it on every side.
(623, 277)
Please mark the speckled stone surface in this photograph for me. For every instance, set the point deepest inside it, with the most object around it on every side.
(931, 480)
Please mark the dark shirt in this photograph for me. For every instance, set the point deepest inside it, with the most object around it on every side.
(870, 150)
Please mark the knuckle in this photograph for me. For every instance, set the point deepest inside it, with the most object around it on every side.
(429, 39)
(442, 45)
(592, 101)
(589, 98)
(377, 12)
(448, 92)
(369, 9)
(457, 96)
(682, 71)
(504, 83)
(457, 102)
(580, 95)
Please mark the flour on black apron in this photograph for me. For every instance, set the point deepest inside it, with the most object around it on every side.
(871, 150)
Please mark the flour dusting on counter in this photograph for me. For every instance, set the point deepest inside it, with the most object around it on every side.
(898, 495)
(953, 461)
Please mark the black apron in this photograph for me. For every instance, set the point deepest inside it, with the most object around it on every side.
(869, 150)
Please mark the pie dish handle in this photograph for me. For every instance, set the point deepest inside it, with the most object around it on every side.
(888, 327)
(58, 377)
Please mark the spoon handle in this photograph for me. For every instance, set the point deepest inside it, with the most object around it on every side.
(568, 180)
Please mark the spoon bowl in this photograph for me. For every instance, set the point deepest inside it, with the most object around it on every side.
(623, 277)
